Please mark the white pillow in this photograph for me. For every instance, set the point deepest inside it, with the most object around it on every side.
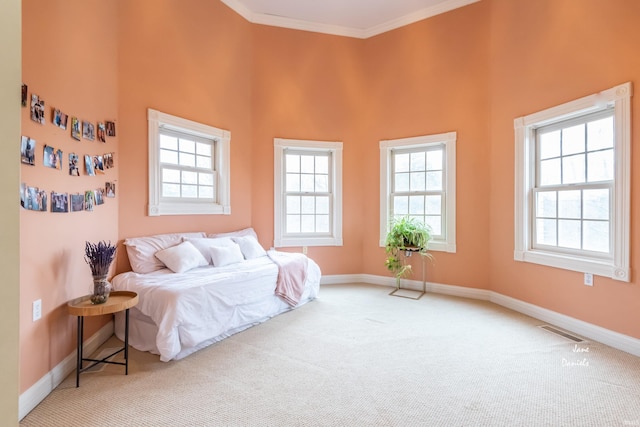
(182, 257)
(225, 255)
(238, 233)
(204, 244)
(141, 250)
(250, 247)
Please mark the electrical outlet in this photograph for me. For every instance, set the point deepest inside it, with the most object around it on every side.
(37, 309)
(588, 279)
(304, 250)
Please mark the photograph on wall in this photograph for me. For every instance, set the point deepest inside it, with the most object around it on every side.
(108, 160)
(111, 128)
(88, 131)
(24, 95)
(102, 132)
(28, 150)
(32, 198)
(77, 202)
(37, 109)
(59, 202)
(74, 169)
(89, 200)
(98, 164)
(38, 199)
(88, 163)
(99, 192)
(52, 158)
(59, 118)
(75, 128)
(24, 195)
(42, 200)
(110, 189)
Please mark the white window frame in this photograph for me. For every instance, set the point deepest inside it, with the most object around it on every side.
(448, 242)
(221, 153)
(335, 235)
(617, 267)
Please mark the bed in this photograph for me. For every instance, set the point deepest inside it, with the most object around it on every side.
(189, 300)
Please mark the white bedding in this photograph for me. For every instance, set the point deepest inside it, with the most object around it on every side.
(179, 313)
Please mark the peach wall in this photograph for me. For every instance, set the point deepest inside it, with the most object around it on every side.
(69, 59)
(193, 62)
(309, 86)
(545, 53)
(428, 78)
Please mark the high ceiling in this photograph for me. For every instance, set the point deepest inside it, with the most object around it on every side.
(352, 18)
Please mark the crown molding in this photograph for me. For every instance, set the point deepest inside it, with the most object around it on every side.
(416, 16)
(295, 24)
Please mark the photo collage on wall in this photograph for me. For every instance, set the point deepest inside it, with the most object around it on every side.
(37, 199)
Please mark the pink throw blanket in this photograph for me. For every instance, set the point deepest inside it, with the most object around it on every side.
(292, 273)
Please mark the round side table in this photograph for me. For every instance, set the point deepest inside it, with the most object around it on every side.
(81, 307)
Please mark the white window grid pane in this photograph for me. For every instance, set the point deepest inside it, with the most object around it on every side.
(203, 149)
(189, 177)
(203, 162)
(600, 166)
(186, 146)
(323, 224)
(168, 142)
(293, 204)
(570, 218)
(573, 140)
(577, 152)
(168, 157)
(191, 174)
(307, 197)
(170, 190)
(435, 223)
(597, 236)
(292, 163)
(600, 134)
(205, 192)
(417, 186)
(187, 159)
(574, 161)
(189, 191)
(307, 183)
(569, 235)
(549, 144)
(170, 175)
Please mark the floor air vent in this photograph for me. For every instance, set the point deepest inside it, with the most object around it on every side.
(561, 333)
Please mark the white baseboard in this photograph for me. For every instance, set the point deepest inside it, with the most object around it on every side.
(41, 389)
(586, 330)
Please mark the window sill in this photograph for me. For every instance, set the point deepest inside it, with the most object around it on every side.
(307, 241)
(189, 209)
(599, 267)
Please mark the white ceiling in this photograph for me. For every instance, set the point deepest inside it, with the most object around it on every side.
(352, 18)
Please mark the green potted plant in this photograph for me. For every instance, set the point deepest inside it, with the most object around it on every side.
(406, 235)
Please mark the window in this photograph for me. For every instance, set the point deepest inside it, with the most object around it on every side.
(418, 180)
(572, 185)
(308, 193)
(188, 167)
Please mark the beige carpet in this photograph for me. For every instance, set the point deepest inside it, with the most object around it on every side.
(359, 357)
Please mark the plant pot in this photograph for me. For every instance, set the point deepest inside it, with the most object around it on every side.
(101, 290)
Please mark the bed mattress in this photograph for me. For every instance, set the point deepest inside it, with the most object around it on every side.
(178, 314)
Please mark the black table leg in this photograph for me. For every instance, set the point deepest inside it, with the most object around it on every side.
(126, 342)
(79, 352)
